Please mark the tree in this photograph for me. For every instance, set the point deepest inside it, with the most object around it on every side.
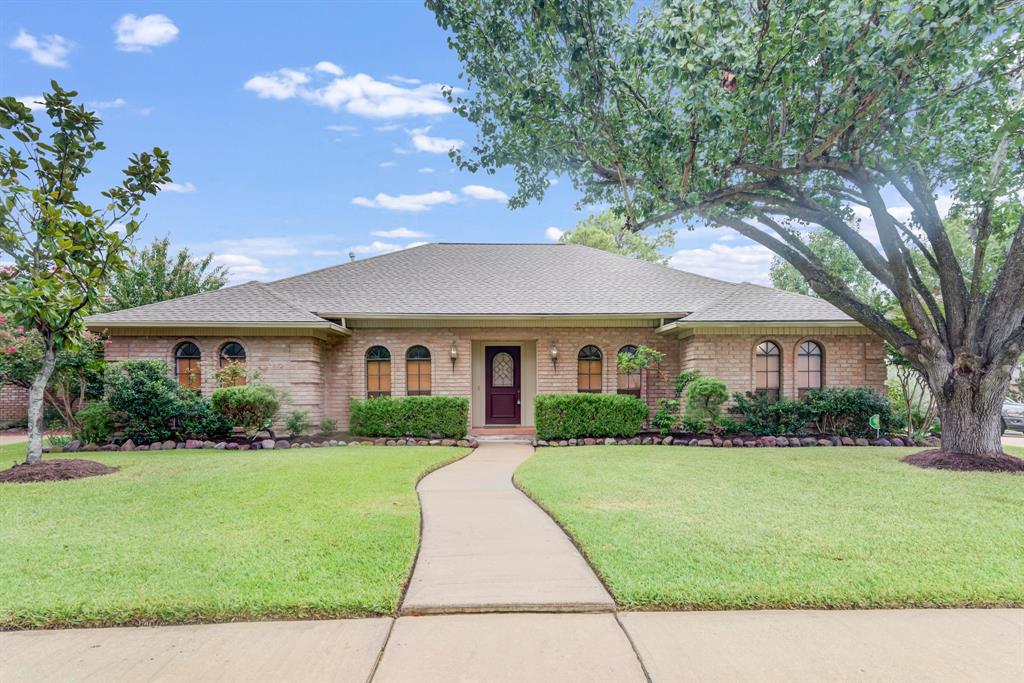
(152, 276)
(77, 371)
(836, 256)
(64, 251)
(606, 232)
(774, 118)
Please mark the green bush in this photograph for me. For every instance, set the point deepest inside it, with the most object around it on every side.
(666, 417)
(297, 422)
(764, 416)
(704, 399)
(846, 411)
(328, 425)
(683, 380)
(571, 416)
(444, 417)
(197, 419)
(249, 406)
(98, 422)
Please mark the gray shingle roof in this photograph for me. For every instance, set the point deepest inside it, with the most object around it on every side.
(485, 280)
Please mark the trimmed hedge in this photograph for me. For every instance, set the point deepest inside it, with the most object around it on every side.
(439, 417)
(571, 416)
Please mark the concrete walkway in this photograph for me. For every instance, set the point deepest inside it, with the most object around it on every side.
(487, 548)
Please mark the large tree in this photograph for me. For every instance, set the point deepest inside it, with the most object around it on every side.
(153, 275)
(606, 231)
(778, 117)
(64, 251)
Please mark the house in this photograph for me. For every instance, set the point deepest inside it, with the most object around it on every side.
(498, 324)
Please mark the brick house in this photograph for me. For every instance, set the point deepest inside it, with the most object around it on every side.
(496, 323)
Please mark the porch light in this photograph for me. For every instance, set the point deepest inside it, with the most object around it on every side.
(554, 355)
(455, 354)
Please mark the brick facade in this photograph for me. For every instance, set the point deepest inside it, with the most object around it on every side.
(321, 377)
(13, 404)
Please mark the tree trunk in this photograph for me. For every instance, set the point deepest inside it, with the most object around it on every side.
(970, 416)
(36, 404)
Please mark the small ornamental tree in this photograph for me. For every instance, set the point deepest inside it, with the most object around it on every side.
(64, 251)
(777, 119)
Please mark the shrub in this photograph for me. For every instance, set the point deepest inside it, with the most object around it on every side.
(704, 399)
(763, 416)
(297, 422)
(97, 422)
(683, 380)
(249, 406)
(666, 417)
(445, 417)
(570, 416)
(846, 411)
(328, 425)
(145, 397)
(196, 419)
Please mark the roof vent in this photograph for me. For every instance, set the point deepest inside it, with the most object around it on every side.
(351, 256)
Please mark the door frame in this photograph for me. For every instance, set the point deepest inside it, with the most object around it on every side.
(516, 351)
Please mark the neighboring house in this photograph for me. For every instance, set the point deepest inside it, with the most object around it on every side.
(13, 405)
(498, 324)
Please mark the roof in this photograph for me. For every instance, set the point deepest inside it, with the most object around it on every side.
(451, 280)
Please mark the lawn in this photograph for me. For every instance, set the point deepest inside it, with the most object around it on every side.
(700, 528)
(181, 536)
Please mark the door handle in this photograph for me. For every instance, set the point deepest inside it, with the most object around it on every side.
(518, 401)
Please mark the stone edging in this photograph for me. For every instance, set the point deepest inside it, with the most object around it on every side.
(742, 442)
(261, 444)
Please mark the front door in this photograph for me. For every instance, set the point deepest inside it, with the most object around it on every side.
(503, 377)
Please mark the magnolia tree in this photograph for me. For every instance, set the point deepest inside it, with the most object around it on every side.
(63, 250)
(776, 119)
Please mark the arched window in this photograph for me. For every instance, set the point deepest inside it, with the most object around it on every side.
(588, 370)
(629, 382)
(186, 366)
(768, 369)
(417, 371)
(810, 367)
(232, 354)
(378, 372)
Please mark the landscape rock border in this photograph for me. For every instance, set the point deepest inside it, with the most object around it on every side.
(740, 441)
(260, 444)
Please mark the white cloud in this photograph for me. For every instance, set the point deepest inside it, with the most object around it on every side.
(388, 164)
(326, 252)
(407, 202)
(425, 169)
(375, 247)
(329, 68)
(425, 143)
(415, 244)
(181, 188)
(387, 128)
(341, 128)
(259, 246)
(554, 234)
(749, 263)
(399, 233)
(46, 50)
(33, 102)
(115, 103)
(360, 94)
(241, 267)
(405, 81)
(139, 34)
(485, 193)
(399, 150)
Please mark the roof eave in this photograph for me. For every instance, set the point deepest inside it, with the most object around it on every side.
(684, 323)
(326, 325)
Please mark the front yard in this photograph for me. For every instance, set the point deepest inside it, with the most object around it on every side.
(700, 528)
(210, 536)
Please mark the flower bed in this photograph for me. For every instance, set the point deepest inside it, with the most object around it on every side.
(741, 441)
(266, 444)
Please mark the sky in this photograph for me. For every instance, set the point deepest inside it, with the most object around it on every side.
(297, 132)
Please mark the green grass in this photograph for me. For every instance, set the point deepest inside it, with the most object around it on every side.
(211, 536)
(698, 528)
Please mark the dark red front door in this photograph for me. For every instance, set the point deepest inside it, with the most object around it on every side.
(503, 399)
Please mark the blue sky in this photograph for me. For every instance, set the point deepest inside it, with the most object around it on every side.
(297, 132)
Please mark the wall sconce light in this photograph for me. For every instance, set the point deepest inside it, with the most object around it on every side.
(455, 354)
(554, 355)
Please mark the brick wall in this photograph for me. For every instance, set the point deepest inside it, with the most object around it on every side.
(322, 377)
(13, 404)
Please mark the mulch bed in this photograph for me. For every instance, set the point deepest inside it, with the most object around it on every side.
(54, 470)
(944, 460)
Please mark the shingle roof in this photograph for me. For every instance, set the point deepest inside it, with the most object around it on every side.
(253, 302)
(753, 303)
(485, 280)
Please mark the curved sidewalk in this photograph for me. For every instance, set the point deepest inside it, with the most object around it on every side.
(487, 548)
